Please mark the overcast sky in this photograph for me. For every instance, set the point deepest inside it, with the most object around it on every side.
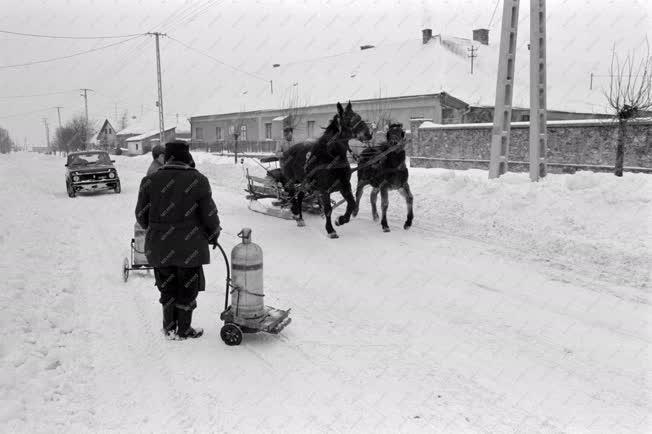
(250, 35)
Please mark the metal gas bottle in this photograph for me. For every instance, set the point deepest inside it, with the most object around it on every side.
(247, 278)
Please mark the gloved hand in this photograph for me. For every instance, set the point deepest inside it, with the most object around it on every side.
(212, 239)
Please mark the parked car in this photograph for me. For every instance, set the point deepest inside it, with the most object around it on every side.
(91, 171)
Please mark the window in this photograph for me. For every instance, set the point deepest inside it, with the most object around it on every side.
(136, 145)
(218, 133)
(448, 115)
(268, 131)
(311, 129)
(199, 133)
(525, 118)
(243, 132)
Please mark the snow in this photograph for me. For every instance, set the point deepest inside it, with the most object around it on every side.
(510, 306)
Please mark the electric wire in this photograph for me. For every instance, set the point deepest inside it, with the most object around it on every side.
(70, 37)
(68, 56)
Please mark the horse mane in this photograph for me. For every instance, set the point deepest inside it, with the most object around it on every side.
(327, 142)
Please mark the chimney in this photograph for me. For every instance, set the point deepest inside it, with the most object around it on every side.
(427, 35)
(481, 36)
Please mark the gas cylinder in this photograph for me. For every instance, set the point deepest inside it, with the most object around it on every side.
(139, 245)
(247, 276)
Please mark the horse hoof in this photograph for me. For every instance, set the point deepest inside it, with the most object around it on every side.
(333, 235)
(385, 229)
(407, 226)
(375, 217)
(301, 223)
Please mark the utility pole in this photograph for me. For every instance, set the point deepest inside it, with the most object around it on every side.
(85, 95)
(505, 88)
(472, 56)
(47, 134)
(59, 114)
(591, 83)
(538, 94)
(271, 87)
(159, 103)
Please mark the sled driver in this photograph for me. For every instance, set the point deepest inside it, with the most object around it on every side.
(176, 207)
(284, 144)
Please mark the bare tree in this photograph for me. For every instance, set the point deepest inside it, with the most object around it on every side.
(236, 130)
(630, 95)
(73, 136)
(294, 108)
(6, 144)
(379, 114)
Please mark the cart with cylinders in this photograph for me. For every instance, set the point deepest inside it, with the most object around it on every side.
(247, 312)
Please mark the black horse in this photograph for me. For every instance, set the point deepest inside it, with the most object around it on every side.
(383, 167)
(322, 167)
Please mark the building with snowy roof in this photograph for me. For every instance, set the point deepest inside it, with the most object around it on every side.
(104, 136)
(143, 143)
(427, 78)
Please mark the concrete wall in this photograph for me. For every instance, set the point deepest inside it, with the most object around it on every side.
(571, 145)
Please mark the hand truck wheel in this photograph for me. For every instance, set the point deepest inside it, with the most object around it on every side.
(231, 334)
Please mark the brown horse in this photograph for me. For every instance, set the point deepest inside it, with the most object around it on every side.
(383, 167)
(322, 167)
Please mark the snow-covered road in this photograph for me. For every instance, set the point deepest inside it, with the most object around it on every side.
(509, 307)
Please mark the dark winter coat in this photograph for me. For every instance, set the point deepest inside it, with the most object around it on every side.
(176, 208)
(154, 166)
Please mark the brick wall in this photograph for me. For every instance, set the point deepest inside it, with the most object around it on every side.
(571, 145)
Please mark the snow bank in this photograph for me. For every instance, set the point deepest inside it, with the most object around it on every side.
(572, 219)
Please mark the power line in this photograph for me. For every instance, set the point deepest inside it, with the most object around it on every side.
(25, 113)
(494, 13)
(69, 56)
(37, 94)
(218, 60)
(69, 37)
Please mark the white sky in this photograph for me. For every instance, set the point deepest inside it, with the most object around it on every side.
(249, 34)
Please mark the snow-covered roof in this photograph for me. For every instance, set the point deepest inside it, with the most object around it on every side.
(413, 68)
(97, 126)
(147, 135)
(149, 122)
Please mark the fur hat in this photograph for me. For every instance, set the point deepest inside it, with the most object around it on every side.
(394, 129)
(178, 150)
(157, 150)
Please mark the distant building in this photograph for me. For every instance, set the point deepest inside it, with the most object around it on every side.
(143, 143)
(104, 137)
(427, 78)
(129, 137)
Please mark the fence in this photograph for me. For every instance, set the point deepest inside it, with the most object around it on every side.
(572, 145)
(243, 146)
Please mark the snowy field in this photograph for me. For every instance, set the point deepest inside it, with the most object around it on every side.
(509, 307)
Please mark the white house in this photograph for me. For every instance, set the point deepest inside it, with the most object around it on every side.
(143, 143)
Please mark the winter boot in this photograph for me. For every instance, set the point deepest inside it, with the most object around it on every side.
(169, 319)
(184, 330)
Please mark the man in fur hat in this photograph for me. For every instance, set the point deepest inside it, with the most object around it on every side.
(176, 208)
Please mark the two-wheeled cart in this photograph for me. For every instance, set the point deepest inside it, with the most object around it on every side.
(244, 282)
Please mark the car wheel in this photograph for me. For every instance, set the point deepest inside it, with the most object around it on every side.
(117, 188)
(71, 190)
